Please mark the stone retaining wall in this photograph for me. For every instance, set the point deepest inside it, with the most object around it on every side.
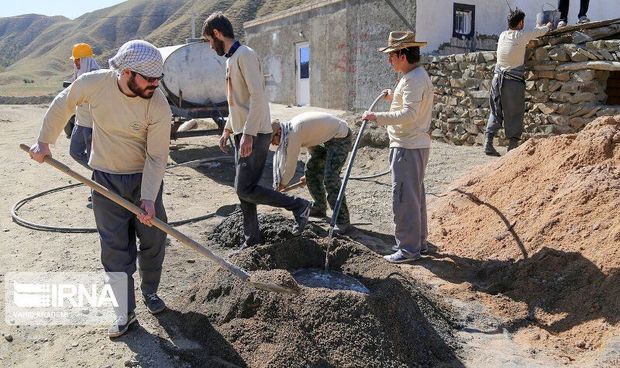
(565, 89)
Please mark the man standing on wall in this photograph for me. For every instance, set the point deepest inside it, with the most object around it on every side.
(250, 124)
(408, 123)
(131, 136)
(507, 98)
(563, 8)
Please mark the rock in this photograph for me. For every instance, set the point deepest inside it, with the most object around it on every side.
(580, 37)
(606, 55)
(578, 123)
(544, 67)
(554, 85)
(578, 57)
(570, 87)
(584, 75)
(542, 85)
(133, 362)
(546, 108)
(541, 54)
(457, 83)
(8, 338)
(536, 96)
(471, 128)
(559, 120)
(591, 86)
(488, 55)
(479, 94)
(563, 77)
(530, 85)
(560, 96)
(437, 133)
(546, 74)
(607, 112)
(558, 54)
(548, 129)
(582, 97)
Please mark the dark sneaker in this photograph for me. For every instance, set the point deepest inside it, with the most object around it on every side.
(583, 19)
(318, 212)
(341, 229)
(154, 303)
(302, 218)
(401, 257)
(121, 325)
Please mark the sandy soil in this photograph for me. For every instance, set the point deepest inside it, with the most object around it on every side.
(205, 188)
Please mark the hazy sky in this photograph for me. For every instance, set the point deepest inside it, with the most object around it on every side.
(69, 8)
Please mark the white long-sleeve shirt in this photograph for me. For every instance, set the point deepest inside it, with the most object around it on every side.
(247, 100)
(307, 130)
(511, 46)
(409, 118)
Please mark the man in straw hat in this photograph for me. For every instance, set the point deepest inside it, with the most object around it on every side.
(249, 123)
(131, 134)
(408, 123)
(507, 98)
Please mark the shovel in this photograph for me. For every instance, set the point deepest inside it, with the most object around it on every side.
(343, 186)
(262, 281)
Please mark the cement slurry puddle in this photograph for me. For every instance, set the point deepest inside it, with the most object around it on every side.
(317, 278)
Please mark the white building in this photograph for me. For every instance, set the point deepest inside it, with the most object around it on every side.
(458, 22)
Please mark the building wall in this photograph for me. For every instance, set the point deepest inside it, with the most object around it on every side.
(434, 17)
(346, 69)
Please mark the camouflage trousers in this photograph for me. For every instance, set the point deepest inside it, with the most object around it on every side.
(323, 168)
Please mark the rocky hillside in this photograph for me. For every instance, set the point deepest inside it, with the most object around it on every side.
(34, 49)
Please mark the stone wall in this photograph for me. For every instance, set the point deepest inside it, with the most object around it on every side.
(565, 89)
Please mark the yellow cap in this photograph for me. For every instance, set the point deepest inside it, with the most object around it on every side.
(81, 50)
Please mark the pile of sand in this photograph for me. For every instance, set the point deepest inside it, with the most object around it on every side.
(395, 325)
(540, 229)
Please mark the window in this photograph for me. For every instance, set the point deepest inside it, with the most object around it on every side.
(304, 63)
(464, 17)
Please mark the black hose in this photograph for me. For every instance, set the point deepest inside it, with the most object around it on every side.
(34, 226)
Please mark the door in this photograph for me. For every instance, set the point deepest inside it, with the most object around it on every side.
(302, 52)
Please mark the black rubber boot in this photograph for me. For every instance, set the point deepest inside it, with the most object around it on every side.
(489, 150)
(514, 143)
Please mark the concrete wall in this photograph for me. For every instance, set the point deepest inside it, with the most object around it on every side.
(346, 70)
(434, 17)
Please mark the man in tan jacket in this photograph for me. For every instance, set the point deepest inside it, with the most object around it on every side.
(250, 124)
(408, 123)
(131, 136)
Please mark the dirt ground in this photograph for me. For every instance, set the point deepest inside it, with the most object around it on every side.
(478, 335)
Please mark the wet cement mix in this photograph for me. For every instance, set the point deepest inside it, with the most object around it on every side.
(539, 231)
(395, 325)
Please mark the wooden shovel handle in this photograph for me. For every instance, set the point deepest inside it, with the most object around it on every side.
(239, 272)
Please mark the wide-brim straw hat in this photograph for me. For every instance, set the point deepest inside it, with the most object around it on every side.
(401, 40)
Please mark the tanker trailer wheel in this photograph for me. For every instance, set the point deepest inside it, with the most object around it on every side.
(221, 122)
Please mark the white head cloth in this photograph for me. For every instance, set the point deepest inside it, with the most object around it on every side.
(138, 56)
(87, 64)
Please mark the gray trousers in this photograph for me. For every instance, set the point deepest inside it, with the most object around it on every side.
(409, 198)
(249, 171)
(118, 229)
(80, 145)
(513, 107)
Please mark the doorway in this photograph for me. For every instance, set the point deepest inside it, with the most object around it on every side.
(302, 52)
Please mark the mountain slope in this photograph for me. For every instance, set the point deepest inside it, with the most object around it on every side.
(34, 49)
